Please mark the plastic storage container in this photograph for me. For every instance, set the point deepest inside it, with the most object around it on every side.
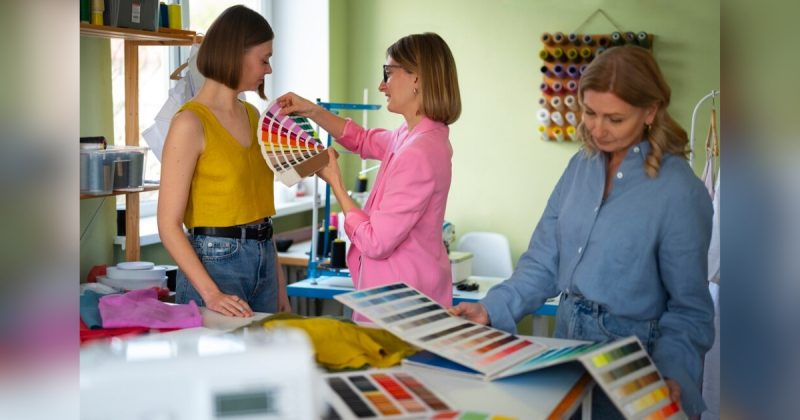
(118, 168)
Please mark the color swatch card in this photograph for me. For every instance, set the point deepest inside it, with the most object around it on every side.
(631, 380)
(622, 368)
(290, 146)
(385, 393)
(416, 318)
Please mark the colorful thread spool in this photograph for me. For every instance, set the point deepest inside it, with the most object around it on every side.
(557, 87)
(617, 39)
(543, 102)
(572, 86)
(547, 39)
(557, 134)
(546, 56)
(574, 38)
(572, 133)
(543, 116)
(543, 133)
(588, 40)
(556, 103)
(573, 72)
(643, 40)
(572, 54)
(175, 18)
(98, 7)
(545, 88)
(338, 253)
(630, 37)
(571, 118)
(559, 37)
(558, 70)
(557, 118)
(571, 102)
(586, 53)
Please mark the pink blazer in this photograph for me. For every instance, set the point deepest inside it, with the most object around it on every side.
(397, 236)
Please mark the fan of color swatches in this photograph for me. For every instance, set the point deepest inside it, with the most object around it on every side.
(290, 146)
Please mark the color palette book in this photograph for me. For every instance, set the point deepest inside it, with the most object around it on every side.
(452, 344)
(384, 393)
(290, 146)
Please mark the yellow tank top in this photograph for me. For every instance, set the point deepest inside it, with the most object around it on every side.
(231, 185)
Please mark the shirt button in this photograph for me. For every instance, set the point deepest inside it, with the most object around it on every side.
(636, 149)
(580, 249)
(619, 175)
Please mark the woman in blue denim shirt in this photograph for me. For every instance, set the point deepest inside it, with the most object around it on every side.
(625, 233)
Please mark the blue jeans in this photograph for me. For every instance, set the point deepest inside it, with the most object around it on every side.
(578, 318)
(245, 268)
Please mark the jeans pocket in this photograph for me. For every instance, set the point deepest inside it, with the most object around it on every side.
(616, 327)
(213, 248)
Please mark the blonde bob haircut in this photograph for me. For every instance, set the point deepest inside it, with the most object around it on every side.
(632, 74)
(430, 58)
(234, 31)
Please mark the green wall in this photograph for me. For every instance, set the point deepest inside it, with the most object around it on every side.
(98, 215)
(502, 173)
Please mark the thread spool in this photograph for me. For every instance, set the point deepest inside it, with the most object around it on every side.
(602, 41)
(572, 71)
(546, 71)
(571, 102)
(361, 183)
(557, 134)
(338, 254)
(559, 38)
(322, 250)
(98, 7)
(86, 11)
(642, 40)
(557, 53)
(543, 133)
(557, 87)
(175, 18)
(572, 54)
(630, 37)
(543, 102)
(572, 133)
(571, 118)
(572, 86)
(546, 56)
(556, 103)
(543, 116)
(558, 70)
(557, 118)
(545, 88)
(599, 51)
(163, 15)
(586, 53)
(616, 38)
(547, 39)
(588, 40)
(574, 38)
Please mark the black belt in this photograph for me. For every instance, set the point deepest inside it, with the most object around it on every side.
(261, 232)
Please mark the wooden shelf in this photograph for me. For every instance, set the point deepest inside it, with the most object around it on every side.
(162, 37)
(148, 187)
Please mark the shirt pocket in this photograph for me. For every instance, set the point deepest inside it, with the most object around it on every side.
(213, 248)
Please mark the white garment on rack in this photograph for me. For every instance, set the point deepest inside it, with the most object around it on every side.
(711, 368)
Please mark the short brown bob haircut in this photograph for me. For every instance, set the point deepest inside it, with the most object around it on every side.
(430, 58)
(233, 32)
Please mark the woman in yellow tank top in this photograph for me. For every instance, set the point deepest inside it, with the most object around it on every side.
(214, 180)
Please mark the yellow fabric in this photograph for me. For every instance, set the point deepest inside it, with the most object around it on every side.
(231, 185)
(343, 345)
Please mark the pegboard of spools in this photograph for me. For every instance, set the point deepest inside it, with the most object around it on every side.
(564, 59)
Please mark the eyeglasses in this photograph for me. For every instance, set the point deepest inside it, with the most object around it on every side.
(386, 68)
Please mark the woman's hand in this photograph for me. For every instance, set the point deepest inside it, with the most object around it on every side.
(474, 312)
(674, 390)
(229, 305)
(331, 173)
(292, 103)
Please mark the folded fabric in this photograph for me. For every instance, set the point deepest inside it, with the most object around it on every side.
(90, 314)
(141, 308)
(343, 345)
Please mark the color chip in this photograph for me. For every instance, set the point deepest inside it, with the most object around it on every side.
(639, 383)
(421, 391)
(664, 412)
(377, 290)
(626, 369)
(603, 359)
(444, 333)
(504, 353)
(647, 400)
(353, 401)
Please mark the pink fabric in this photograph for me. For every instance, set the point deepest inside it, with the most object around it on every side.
(141, 308)
(397, 236)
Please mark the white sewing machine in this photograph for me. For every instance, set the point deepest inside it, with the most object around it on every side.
(258, 375)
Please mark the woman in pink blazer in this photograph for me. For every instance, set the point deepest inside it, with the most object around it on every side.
(397, 236)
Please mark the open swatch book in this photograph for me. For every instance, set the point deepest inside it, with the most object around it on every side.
(622, 368)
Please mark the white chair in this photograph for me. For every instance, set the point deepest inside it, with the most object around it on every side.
(491, 253)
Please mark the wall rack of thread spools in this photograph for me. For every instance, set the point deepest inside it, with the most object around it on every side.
(564, 59)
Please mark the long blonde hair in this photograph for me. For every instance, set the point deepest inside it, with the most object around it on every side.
(632, 74)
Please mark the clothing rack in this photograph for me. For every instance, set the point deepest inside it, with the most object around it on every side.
(712, 95)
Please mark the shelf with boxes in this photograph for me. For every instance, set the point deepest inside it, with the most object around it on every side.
(565, 58)
(134, 38)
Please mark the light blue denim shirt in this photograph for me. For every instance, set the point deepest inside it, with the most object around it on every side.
(641, 254)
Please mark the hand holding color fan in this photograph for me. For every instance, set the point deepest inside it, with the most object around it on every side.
(290, 146)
